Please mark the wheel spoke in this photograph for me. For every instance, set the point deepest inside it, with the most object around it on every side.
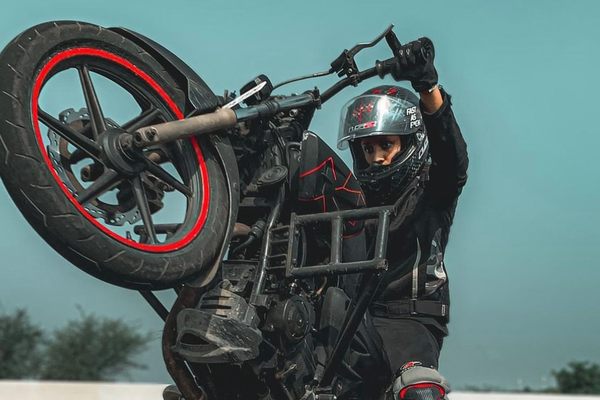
(75, 138)
(166, 177)
(104, 183)
(144, 119)
(91, 99)
(142, 203)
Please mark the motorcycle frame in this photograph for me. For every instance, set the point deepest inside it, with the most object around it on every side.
(181, 371)
(184, 373)
(372, 268)
(335, 265)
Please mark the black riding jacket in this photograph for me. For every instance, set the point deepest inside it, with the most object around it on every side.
(416, 283)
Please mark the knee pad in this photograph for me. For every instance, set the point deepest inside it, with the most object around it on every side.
(171, 392)
(416, 382)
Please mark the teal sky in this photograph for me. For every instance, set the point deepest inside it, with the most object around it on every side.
(523, 254)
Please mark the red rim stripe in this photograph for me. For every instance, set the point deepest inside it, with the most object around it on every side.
(88, 51)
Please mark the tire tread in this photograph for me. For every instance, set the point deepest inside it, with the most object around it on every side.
(39, 196)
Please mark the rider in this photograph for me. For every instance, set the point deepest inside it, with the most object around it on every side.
(411, 154)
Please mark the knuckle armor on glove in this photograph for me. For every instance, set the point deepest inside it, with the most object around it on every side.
(414, 62)
(416, 382)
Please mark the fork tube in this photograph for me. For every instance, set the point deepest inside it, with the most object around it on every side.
(255, 297)
(349, 330)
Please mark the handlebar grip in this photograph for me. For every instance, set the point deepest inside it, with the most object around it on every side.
(424, 52)
(386, 66)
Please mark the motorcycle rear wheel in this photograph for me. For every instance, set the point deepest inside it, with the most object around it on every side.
(55, 164)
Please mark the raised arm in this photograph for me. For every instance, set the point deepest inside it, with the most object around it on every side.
(448, 172)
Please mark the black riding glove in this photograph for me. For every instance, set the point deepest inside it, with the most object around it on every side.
(414, 63)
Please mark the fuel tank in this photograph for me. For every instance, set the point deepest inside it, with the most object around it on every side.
(324, 181)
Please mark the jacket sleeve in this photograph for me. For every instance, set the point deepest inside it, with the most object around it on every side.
(448, 171)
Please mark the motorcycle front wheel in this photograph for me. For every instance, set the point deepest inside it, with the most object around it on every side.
(148, 219)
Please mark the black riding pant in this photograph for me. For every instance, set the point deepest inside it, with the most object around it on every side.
(406, 339)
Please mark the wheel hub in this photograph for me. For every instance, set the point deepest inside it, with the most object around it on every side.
(127, 161)
(64, 162)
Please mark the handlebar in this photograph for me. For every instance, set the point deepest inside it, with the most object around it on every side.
(271, 107)
(225, 118)
(381, 69)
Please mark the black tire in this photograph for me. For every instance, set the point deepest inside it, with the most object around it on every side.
(26, 64)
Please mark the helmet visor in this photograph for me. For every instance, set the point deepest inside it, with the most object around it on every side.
(372, 115)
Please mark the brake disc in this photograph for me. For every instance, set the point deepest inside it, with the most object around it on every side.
(64, 160)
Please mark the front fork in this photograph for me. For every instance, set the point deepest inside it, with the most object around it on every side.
(189, 295)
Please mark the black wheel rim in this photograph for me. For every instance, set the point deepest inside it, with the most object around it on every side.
(176, 171)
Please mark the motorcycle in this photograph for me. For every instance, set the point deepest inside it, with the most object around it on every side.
(229, 200)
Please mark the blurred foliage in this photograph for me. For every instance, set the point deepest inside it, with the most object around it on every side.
(578, 377)
(90, 348)
(94, 348)
(20, 346)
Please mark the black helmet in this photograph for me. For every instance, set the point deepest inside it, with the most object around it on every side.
(385, 110)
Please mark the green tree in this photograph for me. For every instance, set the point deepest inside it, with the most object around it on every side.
(93, 349)
(581, 377)
(20, 346)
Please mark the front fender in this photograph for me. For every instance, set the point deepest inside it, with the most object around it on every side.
(199, 98)
(229, 164)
